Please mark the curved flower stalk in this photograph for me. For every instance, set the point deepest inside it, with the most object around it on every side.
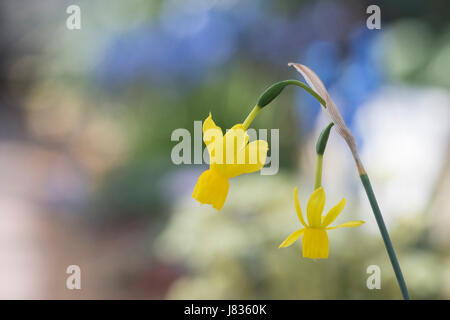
(230, 155)
(315, 239)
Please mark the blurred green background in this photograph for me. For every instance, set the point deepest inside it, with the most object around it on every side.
(86, 176)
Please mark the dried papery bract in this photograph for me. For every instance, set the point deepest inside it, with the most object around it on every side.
(316, 84)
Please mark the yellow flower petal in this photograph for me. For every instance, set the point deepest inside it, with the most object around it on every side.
(213, 138)
(254, 156)
(214, 143)
(315, 207)
(231, 155)
(349, 224)
(210, 124)
(292, 238)
(315, 243)
(333, 213)
(211, 188)
(235, 141)
(297, 208)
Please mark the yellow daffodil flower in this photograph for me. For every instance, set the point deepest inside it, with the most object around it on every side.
(230, 155)
(315, 239)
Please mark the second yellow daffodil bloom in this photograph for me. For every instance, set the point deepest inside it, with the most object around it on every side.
(230, 155)
(315, 238)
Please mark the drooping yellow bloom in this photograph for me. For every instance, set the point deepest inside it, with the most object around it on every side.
(315, 239)
(230, 155)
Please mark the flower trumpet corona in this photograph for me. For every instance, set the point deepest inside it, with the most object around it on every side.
(315, 238)
(230, 155)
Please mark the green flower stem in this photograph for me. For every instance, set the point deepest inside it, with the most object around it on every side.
(308, 89)
(384, 233)
(251, 116)
(318, 180)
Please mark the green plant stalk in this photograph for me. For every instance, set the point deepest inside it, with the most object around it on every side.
(385, 235)
(251, 116)
(318, 180)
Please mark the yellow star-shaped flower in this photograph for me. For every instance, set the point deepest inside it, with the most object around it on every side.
(315, 239)
(230, 155)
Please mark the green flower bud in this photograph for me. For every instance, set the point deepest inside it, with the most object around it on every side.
(274, 90)
(270, 93)
(323, 139)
